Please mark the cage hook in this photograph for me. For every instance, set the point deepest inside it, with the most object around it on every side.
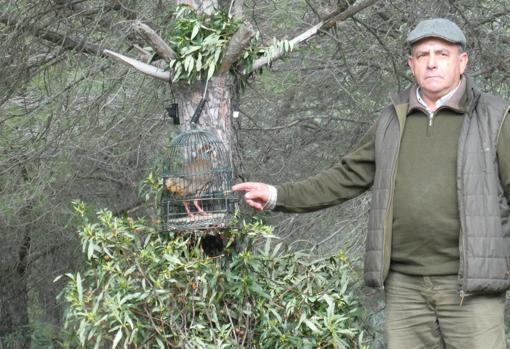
(200, 107)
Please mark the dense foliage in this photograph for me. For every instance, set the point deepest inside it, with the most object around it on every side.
(200, 41)
(142, 289)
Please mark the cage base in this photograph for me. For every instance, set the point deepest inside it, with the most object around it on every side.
(202, 221)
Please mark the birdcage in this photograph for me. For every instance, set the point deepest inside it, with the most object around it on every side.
(197, 177)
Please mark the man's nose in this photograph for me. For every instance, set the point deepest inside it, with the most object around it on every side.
(432, 61)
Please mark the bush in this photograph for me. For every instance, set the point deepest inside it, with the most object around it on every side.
(143, 289)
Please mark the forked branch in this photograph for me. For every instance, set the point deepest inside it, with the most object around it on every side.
(236, 46)
(144, 68)
(155, 41)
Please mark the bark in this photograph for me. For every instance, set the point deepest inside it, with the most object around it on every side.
(205, 6)
(237, 9)
(155, 41)
(221, 96)
(238, 43)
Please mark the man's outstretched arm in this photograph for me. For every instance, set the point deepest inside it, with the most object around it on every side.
(351, 176)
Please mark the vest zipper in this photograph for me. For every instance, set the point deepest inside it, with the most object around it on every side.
(460, 188)
(462, 237)
(430, 117)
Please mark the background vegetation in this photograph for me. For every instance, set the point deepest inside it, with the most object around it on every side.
(75, 125)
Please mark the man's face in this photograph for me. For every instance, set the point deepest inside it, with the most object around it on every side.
(437, 66)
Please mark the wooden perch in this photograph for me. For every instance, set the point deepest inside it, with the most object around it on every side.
(237, 44)
(330, 21)
(154, 41)
(147, 69)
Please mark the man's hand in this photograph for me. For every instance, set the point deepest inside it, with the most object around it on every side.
(257, 194)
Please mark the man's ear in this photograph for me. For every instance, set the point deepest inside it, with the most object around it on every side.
(410, 63)
(464, 58)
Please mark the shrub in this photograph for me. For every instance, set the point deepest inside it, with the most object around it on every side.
(144, 289)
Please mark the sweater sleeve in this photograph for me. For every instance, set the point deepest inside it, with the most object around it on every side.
(351, 176)
(503, 152)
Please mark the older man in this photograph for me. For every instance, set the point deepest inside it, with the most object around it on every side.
(438, 160)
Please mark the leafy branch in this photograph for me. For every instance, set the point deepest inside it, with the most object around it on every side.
(143, 289)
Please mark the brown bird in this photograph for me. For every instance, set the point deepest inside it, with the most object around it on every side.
(196, 179)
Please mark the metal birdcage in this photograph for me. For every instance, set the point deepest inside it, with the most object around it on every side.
(197, 178)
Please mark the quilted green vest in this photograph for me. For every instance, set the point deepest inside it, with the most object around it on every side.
(484, 212)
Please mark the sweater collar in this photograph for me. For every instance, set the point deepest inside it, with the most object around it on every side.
(470, 97)
(455, 101)
(468, 101)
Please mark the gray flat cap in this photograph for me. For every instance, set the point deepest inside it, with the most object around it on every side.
(438, 28)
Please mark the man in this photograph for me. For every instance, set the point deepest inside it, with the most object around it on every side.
(438, 160)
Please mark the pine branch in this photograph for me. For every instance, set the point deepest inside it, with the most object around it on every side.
(65, 41)
(323, 25)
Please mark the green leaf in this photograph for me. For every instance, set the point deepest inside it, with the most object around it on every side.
(311, 326)
(195, 31)
(178, 73)
(217, 55)
(198, 64)
(210, 72)
(90, 250)
(117, 338)
(211, 40)
(190, 49)
(331, 305)
(79, 287)
(191, 64)
(160, 343)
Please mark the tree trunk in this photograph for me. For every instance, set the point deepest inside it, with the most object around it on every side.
(14, 321)
(221, 99)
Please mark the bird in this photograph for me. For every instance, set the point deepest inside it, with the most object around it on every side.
(197, 177)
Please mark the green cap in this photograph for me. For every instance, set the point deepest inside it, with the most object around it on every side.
(438, 28)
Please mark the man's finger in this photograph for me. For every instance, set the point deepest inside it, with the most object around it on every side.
(255, 204)
(245, 186)
(254, 195)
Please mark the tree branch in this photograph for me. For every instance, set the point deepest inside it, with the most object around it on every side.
(144, 68)
(126, 12)
(155, 41)
(238, 43)
(63, 40)
(325, 24)
(304, 120)
(237, 9)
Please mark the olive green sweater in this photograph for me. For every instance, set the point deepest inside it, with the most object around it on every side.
(426, 218)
